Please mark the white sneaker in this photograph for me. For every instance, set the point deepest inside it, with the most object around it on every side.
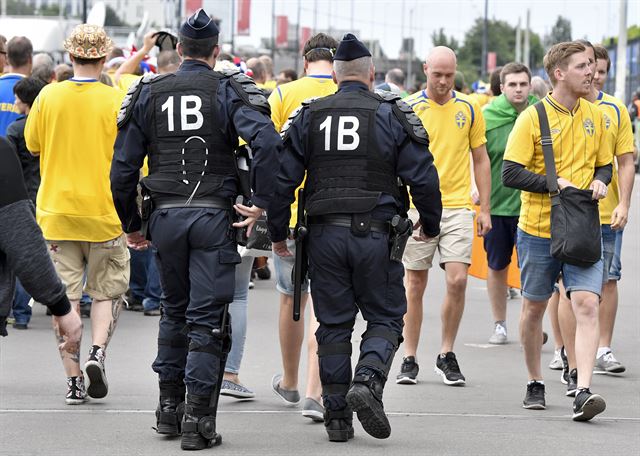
(499, 336)
(556, 362)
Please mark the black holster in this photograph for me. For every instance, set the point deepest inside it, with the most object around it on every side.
(241, 233)
(146, 208)
(401, 230)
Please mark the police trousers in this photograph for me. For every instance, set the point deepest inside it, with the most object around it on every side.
(197, 258)
(350, 273)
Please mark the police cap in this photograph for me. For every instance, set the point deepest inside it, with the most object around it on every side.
(199, 26)
(350, 48)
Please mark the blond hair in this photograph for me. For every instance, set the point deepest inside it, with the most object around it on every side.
(558, 57)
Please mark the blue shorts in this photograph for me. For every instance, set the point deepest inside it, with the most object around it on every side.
(539, 270)
(283, 267)
(499, 241)
(615, 270)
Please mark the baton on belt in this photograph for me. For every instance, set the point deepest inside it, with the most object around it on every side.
(301, 262)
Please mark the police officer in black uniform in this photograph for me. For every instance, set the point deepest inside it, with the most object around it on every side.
(354, 145)
(187, 124)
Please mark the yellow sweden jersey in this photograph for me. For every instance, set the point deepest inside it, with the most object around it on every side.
(72, 125)
(288, 97)
(579, 145)
(454, 129)
(617, 124)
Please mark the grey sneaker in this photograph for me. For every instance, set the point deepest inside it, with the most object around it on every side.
(608, 364)
(556, 362)
(291, 398)
(313, 409)
(236, 390)
(499, 336)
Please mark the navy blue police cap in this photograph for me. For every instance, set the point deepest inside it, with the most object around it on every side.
(350, 48)
(199, 26)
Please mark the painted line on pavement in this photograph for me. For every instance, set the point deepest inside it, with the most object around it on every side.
(297, 412)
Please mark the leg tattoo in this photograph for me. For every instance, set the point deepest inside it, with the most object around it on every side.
(116, 307)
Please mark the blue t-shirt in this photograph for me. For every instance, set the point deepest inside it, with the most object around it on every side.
(8, 110)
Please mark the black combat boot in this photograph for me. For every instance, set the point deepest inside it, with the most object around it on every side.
(339, 424)
(170, 408)
(365, 398)
(199, 424)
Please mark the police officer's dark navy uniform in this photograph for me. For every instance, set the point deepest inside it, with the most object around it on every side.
(188, 124)
(354, 145)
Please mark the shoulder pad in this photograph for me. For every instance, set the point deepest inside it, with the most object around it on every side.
(387, 96)
(249, 92)
(228, 72)
(295, 113)
(126, 108)
(410, 121)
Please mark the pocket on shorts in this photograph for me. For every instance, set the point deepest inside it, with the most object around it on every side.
(110, 274)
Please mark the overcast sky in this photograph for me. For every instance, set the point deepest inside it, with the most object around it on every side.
(382, 19)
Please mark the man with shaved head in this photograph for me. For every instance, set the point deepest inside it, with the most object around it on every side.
(354, 146)
(455, 126)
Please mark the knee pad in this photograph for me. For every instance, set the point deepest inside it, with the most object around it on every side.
(381, 367)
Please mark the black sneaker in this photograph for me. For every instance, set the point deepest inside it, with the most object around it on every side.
(534, 399)
(76, 393)
(564, 377)
(572, 385)
(586, 405)
(94, 367)
(408, 371)
(447, 367)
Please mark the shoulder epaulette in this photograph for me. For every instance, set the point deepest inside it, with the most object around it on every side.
(126, 108)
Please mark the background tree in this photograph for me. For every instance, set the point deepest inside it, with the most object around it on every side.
(18, 8)
(560, 32)
(111, 18)
(501, 39)
(439, 38)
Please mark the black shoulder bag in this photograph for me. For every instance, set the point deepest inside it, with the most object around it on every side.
(576, 234)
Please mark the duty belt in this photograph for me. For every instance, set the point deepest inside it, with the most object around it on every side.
(377, 226)
(211, 202)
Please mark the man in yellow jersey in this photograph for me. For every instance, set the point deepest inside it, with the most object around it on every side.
(72, 127)
(455, 125)
(614, 211)
(583, 159)
(285, 99)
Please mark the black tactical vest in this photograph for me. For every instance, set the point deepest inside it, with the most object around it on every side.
(188, 148)
(346, 172)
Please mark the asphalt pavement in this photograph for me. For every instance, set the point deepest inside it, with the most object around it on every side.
(483, 418)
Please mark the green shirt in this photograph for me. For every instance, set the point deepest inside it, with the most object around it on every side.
(500, 117)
